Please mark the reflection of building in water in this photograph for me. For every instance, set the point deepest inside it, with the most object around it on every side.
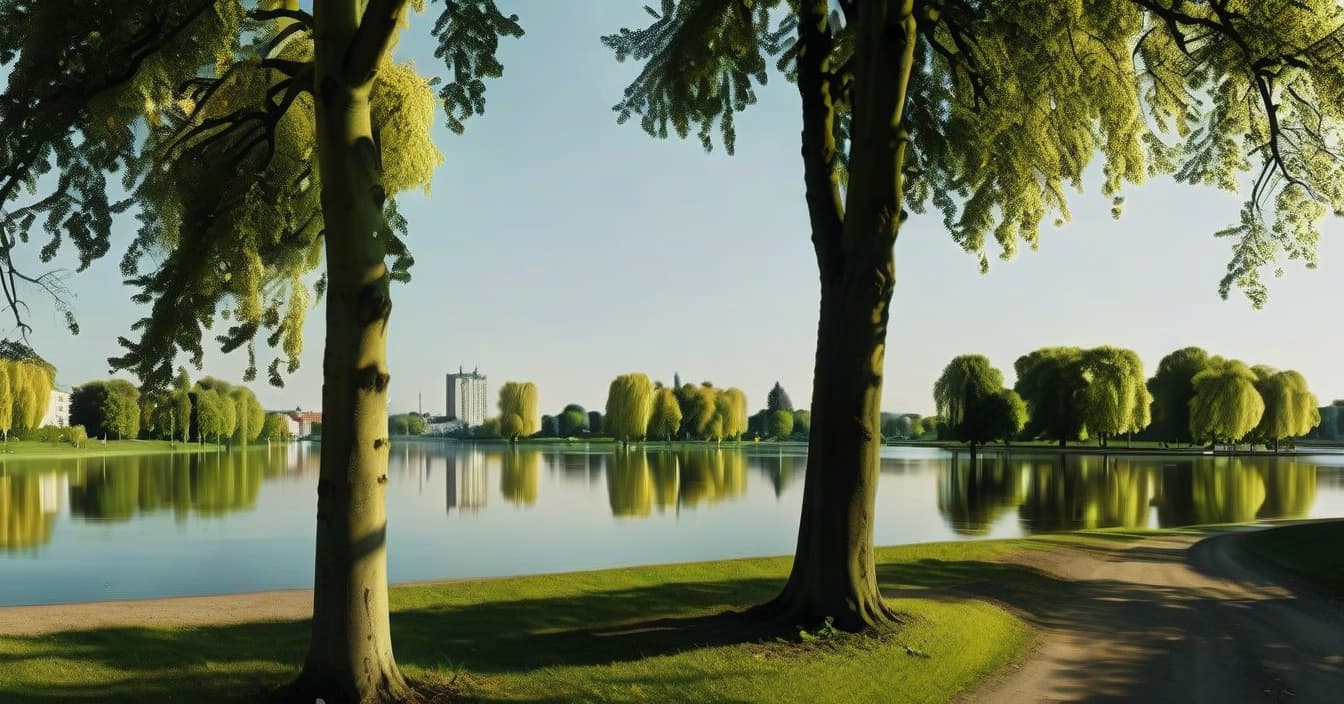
(51, 489)
(465, 479)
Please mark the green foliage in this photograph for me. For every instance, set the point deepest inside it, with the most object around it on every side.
(1052, 383)
(802, 422)
(518, 409)
(111, 408)
(78, 436)
(597, 423)
(733, 409)
(572, 421)
(249, 414)
(1290, 408)
(665, 417)
(1209, 93)
(550, 427)
(1226, 405)
(781, 424)
(1114, 399)
(778, 399)
(1172, 388)
(6, 398)
(489, 428)
(629, 407)
(276, 428)
(406, 424)
(970, 394)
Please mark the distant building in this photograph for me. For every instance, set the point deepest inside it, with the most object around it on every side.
(301, 422)
(58, 409)
(467, 397)
(442, 425)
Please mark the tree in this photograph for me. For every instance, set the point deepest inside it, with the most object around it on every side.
(397, 425)
(259, 141)
(629, 407)
(249, 414)
(6, 400)
(778, 399)
(1114, 399)
(802, 422)
(903, 104)
(1226, 405)
(276, 429)
(665, 416)
(1290, 408)
(596, 423)
(1172, 388)
(1051, 382)
(970, 394)
(733, 410)
(572, 421)
(781, 424)
(697, 409)
(550, 427)
(210, 410)
(518, 410)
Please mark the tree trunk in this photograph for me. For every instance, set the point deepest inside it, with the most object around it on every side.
(350, 657)
(834, 574)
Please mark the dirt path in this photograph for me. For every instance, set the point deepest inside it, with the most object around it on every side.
(1171, 619)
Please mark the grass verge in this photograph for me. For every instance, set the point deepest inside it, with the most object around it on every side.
(24, 449)
(631, 635)
(1309, 551)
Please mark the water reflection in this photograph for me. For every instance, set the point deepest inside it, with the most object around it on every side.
(1073, 492)
(998, 494)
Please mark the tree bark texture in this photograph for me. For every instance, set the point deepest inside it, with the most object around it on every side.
(350, 658)
(834, 574)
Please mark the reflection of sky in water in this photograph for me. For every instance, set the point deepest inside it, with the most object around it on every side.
(172, 525)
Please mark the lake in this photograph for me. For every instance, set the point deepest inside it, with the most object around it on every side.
(218, 523)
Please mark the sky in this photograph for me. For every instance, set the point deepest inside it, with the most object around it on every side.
(558, 247)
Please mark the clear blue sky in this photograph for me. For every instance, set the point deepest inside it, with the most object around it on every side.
(558, 247)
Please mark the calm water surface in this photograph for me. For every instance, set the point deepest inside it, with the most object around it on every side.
(168, 525)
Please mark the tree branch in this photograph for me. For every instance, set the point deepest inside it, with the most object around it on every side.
(372, 39)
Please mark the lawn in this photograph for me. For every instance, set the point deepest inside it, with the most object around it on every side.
(646, 634)
(1310, 551)
(22, 449)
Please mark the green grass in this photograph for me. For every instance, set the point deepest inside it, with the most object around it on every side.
(1311, 551)
(646, 634)
(22, 449)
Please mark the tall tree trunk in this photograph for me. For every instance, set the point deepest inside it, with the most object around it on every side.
(350, 655)
(833, 573)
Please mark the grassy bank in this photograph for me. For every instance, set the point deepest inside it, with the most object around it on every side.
(630, 635)
(1310, 551)
(25, 449)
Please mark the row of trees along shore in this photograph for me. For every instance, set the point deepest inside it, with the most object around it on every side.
(262, 141)
(1068, 394)
(637, 409)
(209, 410)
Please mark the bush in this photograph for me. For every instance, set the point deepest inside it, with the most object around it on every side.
(78, 436)
(47, 433)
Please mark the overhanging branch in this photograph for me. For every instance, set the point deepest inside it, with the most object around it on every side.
(372, 39)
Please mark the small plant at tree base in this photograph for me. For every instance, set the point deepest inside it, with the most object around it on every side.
(826, 631)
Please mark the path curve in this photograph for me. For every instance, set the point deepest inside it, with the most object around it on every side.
(1170, 619)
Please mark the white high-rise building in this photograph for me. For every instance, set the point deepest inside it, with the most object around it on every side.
(467, 397)
(58, 409)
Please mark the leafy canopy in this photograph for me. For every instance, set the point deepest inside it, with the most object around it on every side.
(1009, 103)
(203, 111)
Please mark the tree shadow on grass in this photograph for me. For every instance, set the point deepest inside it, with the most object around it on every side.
(238, 662)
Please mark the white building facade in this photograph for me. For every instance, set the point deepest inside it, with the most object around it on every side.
(58, 409)
(467, 397)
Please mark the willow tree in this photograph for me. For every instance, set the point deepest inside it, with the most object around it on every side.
(629, 407)
(1290, 407)
(250, 415)
(6, 400)
(1114, 398)
(987, 112)
(1226, 405)
(278, 140)
(1172, 388)
(970, 394)
(1051, 382)
(518, 410)
(665, 416)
